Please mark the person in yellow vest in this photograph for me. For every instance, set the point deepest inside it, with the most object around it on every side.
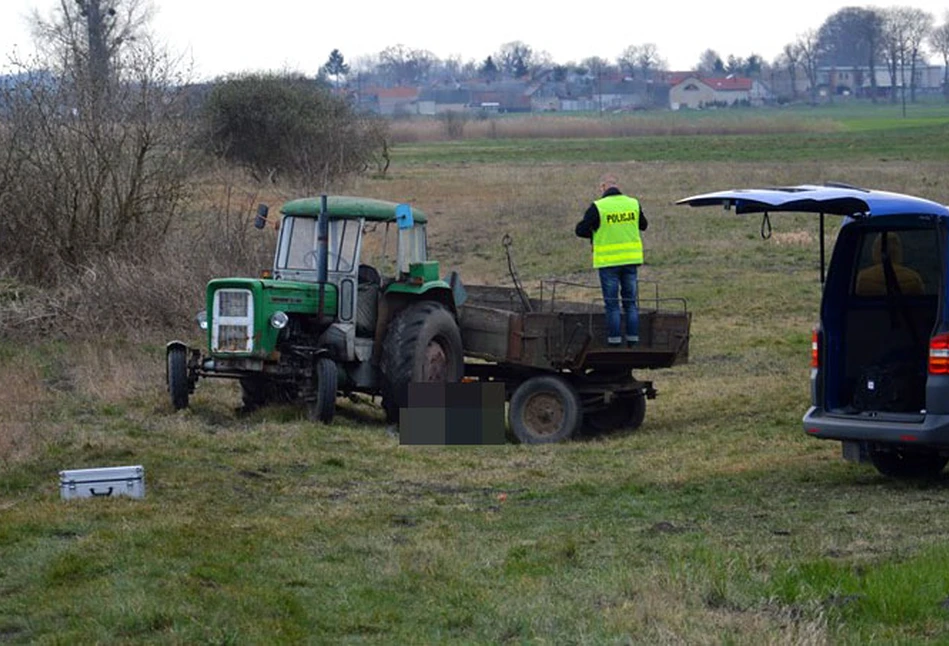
(613, 223)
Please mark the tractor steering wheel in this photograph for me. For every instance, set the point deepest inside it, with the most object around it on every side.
(310, 258)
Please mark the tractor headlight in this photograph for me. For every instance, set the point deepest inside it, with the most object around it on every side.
(279, 320)
(202, 319)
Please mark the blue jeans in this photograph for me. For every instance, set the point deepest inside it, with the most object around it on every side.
(613, 280)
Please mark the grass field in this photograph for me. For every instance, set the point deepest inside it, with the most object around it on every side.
(717, 522)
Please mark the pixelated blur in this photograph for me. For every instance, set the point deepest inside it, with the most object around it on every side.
(453, 414)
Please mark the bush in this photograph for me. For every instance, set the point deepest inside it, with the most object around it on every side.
(289, 125)
(89, 171)
(454, 123)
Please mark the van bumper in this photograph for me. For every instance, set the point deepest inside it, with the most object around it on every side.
(919, 429)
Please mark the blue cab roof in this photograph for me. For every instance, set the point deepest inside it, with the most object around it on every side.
(829, 199)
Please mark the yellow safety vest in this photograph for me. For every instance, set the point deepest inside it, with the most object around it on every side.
(617, 240)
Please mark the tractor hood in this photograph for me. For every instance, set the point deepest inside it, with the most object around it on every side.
(245, 315)
(291, 297)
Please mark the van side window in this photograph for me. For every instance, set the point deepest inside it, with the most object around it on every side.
(913, 254)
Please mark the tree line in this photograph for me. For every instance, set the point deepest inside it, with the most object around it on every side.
(895, 39)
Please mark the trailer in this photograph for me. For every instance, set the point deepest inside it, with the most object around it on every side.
(550, 352)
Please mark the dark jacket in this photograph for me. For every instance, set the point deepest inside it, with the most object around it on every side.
(591, 219)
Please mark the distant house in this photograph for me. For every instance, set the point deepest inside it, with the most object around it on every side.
(846, 80)
(389, 101)
(696, 92)
(620, 94)
(433, 101)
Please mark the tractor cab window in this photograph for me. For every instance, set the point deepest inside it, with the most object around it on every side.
(379, 246)
(343, 238)
(298, 240)
(298, 247)
(411, 247)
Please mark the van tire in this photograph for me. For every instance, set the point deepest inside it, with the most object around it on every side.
(897, 462)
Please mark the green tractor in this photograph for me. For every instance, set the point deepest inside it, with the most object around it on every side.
(352, 305)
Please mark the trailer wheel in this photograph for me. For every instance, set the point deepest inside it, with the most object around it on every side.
(900, 463)
(621, 413)
(423, 344)
(545, 409)
(324, 407)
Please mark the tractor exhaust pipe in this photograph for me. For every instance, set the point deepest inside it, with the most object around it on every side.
(322, 241)
(322, 248)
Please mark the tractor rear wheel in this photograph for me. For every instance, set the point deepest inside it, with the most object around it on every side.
(323, 408)
(423, 344)
(178, 386)
(545, 409)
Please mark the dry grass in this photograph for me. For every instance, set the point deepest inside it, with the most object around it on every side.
(23, 401)
(559, 127)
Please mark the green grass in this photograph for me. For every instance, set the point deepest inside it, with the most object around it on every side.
(848, 132)
(920, 141)
(718, 522)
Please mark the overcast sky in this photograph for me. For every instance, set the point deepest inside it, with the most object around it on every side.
(232, 36)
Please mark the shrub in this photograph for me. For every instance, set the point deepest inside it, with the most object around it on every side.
(289, 125)
(90, 169)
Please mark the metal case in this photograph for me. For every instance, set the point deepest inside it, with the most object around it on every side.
(103, 482)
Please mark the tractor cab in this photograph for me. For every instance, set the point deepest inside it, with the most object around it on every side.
(370, 245)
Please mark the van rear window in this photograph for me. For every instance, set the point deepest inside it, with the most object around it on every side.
(913, 254)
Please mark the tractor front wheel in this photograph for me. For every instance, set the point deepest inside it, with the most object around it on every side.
(178, 386)
(323, 408)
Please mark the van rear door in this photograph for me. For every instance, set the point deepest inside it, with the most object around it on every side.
(895, 324)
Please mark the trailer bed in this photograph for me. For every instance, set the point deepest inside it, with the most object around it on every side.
(500, 324)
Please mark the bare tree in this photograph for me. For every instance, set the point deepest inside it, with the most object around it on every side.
(896, 47)
(710, 63)
(919, 24)
(641, 60)
(404, 65)
(515, 58)
(792, 60)
(939, 41)
(808, 44)
(597, 68)
(100, 160)
(88, 37)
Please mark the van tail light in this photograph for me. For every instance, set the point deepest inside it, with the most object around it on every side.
(815, 347)
(939, 355)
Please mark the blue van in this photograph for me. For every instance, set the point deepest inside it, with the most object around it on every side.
(880, 356)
